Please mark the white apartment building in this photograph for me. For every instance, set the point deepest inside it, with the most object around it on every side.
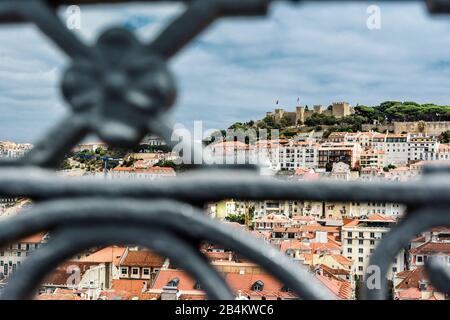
(12, 256)
(298, 154)
(422, 148)
(443, 152)
(287, 208)
(401, 149)
(10, 149)
(395, 147)
(363, 138)
(365, 209)
(340, 171)
(359, 239)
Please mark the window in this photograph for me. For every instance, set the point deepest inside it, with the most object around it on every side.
(361, 241)
(349, 250)
(124, 270)
(197, 286)
(349, 241)
(360, 268)
(419, 259)
(360, 250)
(134, 271)
(361, 234)
(360, 259)
(258, 286)
(146, 271)
(349, 234)
(173, 283)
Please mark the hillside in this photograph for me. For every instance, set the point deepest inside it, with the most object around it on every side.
(388, 111)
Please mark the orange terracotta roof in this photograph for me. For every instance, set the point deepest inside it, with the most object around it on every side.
(302, 218)
(111, 254)
(315, 228)
(340, 288)
(409, 294)
(327, 247)
(62, 273)
(379, 217)
(412, 278)
(164, 276)
(58, 296)
(294, 245)
(342, 260)
(243, 283)
(35, 238)
(331, 271)
(129, 285)
(351, 223)
(432, 247)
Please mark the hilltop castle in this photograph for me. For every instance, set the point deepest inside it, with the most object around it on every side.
(301, 113)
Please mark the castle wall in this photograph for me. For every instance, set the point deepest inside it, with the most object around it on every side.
(433, 128)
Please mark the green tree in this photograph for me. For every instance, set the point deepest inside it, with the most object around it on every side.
(444, 137)
(239, 218)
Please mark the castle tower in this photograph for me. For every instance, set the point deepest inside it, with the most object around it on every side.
(299, 114)
(318, 108)
(341, 109)
(279, 113)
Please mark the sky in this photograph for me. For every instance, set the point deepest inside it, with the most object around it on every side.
(239, 68)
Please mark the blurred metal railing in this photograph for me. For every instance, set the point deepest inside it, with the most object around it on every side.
(120, 89)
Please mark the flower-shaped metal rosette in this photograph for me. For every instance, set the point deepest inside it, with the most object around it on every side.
(120, 88)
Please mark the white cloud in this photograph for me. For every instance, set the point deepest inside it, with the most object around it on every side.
(238, 68)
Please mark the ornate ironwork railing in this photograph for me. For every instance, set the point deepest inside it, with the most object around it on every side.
(120, 89)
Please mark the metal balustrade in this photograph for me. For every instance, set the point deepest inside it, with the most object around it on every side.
(120, 89)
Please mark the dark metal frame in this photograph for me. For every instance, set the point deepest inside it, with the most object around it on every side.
(120, 89)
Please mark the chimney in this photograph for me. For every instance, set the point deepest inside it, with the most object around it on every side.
(423, 285)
